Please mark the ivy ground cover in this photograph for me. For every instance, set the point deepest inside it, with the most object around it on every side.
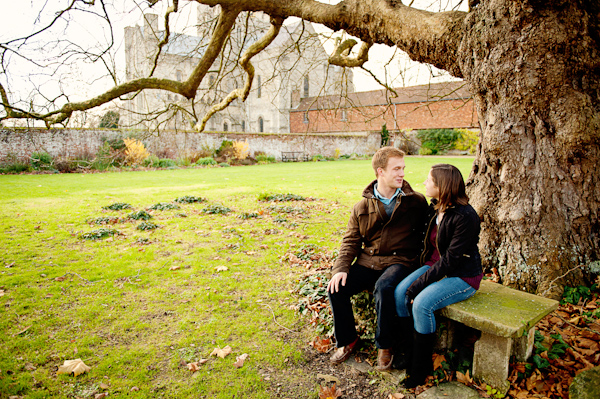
(166, 283)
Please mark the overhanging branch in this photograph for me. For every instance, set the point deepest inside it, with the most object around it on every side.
(242, 93)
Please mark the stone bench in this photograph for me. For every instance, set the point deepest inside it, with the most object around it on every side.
(506, 319)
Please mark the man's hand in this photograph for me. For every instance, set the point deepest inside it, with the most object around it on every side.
(334, 283)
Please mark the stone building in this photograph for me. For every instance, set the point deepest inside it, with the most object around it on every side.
(294, 66)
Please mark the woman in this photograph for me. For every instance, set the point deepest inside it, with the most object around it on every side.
(450, 272)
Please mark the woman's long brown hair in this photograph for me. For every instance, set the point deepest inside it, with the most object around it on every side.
(451, 186)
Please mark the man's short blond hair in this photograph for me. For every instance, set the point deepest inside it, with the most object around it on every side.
(382, 156)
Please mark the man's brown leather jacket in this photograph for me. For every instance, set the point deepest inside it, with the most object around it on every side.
(377, 241)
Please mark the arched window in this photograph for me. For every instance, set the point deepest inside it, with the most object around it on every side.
(258, 87)
(243, 126)
(225, 126)
(306, 86)
(261, 124)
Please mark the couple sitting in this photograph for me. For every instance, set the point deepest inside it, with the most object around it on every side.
(380, 252)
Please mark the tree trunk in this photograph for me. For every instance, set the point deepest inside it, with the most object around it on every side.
(533, 67)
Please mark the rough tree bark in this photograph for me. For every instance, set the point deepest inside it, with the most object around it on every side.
(533, 67)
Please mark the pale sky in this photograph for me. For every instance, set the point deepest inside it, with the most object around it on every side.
(20, 18)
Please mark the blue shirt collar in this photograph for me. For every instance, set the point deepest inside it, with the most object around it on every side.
(384, 200)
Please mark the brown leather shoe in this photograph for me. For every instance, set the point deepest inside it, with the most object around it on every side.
(384, 359)
(342, 354)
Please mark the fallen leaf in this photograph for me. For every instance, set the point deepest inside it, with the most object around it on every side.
(328, 378)
(174, 267)
(321, 344)
(464, 378)
(329, 392)
(396, 395)
(193, 367)
(2, 292)
(29, 367)
(437, 363)
(100, 395)
(134, 389)
(221, 268)
(221, 352)
(24, 330)
(61, 278)
(251, 253)
(75, 366)
(103, 386)
(240, 360)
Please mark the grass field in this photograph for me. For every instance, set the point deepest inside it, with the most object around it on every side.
(140, 305)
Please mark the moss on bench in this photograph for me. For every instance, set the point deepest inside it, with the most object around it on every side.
(499, 310)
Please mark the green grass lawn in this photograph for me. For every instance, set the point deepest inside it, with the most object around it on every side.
(140, 305)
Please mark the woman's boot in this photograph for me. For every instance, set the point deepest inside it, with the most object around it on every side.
(405, 343)
(421, 364)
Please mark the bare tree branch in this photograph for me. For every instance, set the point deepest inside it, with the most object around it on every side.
(341, 54)
(242, 93)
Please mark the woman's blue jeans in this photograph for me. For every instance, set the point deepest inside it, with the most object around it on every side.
(435, 296)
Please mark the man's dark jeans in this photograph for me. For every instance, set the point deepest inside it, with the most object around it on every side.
(382, 283)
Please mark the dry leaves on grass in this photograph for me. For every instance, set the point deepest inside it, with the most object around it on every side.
(396, 395)
(221, 352)
(174, 267)
(195, 366)
(331, 392)
(75, 366)
(323, 345)
(240, 360)
(221, 268)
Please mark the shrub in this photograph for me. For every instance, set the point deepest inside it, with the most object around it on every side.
(151, 162)
(214, 209)
(16, 167)
(224, 165)
(265, 159)
(117, 206)
(206, 161)
(226, 149)
(135, 152)
(468, 141)
(385, 135)
(110, 120)
(241, 149)
(248, 215)
(41, 160)
(99, 234)
(266, 197)
(104, 220)
(147, 226)
(188, 199)
(140, 215)
(166, 163)
(163, 206)
(437, 141)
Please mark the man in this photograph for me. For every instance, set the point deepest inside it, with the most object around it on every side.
(384, 236)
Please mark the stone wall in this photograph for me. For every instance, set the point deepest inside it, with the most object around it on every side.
(22, 142)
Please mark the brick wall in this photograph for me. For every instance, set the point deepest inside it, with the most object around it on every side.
(405, 116)
(22, 142)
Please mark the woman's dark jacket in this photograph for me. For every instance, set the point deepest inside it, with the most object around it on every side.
(457, 238)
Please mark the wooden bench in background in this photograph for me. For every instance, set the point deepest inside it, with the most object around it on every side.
(293, 156)
(506, 319)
